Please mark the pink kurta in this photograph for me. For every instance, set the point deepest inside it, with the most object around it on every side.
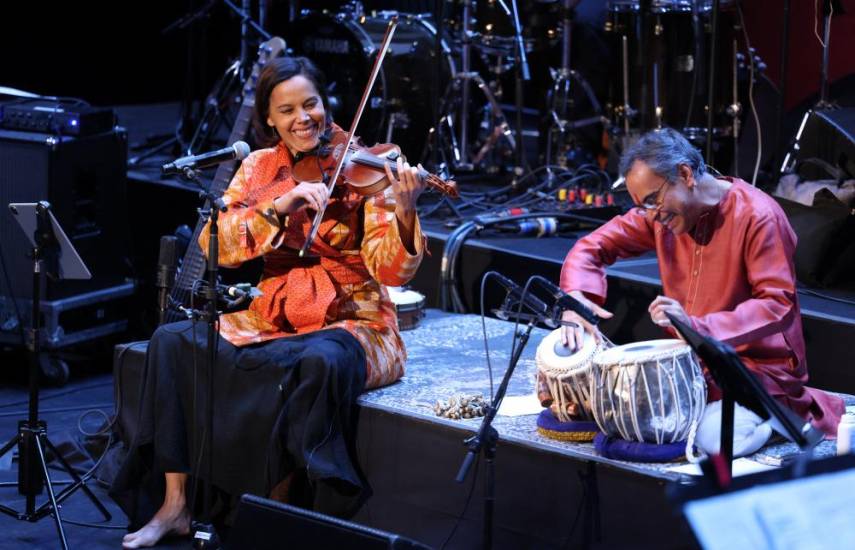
(735, 278)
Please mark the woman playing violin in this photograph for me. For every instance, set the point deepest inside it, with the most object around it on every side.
(289, 368)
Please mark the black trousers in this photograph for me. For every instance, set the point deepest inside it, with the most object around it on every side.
(279, 406)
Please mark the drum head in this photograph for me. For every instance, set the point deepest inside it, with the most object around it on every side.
(640, 352)
(553, 357)
(405, 299)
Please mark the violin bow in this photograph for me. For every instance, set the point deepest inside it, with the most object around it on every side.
(375, 70)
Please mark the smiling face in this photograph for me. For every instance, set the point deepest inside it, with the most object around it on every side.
(676, 206)
(297, 113)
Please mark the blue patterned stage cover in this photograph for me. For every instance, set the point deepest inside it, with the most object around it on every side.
(446, 358)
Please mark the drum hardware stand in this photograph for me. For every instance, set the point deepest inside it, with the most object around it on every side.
(708, 157)
(458, 92)
(32, 440)
(459, 149)
(734, 110)
(466, 60)
(522, 73)
(228, 86)
(560, 94)
(627, 112)
(789, 161)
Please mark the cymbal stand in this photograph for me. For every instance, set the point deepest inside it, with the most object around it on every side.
(734, 110)
(522, 74)
(466, 63)
(559, 94)
(233, 80)
(827, 11)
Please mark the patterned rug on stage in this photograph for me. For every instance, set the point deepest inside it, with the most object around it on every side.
(446, 358)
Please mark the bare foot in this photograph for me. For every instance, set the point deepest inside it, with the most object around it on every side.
(169, 520)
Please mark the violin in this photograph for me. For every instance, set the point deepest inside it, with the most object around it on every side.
(363, 170)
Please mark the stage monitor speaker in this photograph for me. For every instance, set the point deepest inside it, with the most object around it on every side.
(84, 179)
(826, 147)
(263, 524)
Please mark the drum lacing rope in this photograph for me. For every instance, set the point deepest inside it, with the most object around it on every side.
(690, 444)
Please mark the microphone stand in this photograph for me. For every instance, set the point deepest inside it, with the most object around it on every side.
(487, 437)
(204, 535)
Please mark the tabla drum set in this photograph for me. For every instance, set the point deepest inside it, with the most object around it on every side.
(652, 392)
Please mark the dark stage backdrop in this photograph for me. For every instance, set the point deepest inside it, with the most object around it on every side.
(115, 52)
(111, 53)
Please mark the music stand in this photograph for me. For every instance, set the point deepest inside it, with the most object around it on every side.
(738, 385)
(55, 256)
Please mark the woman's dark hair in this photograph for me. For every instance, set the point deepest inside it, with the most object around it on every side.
(279, 70)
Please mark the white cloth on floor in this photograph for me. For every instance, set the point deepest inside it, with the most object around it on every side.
(750, 432)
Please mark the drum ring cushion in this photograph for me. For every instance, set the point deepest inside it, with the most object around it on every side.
(638, 451)
(575, 430)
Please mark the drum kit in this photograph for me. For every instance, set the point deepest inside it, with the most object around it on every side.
(652, 392)
(659, 75)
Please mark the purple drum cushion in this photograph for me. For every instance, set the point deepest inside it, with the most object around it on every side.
(638, 451)
(575, 430)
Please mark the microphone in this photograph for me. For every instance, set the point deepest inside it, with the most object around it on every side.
(166, 264)
(239, 150)
(532, 302)
(565, 301)
(240, 291)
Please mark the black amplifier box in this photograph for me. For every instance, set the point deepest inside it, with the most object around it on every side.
(51, 117)
(84, 180)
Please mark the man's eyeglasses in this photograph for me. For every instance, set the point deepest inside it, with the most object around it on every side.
(653, 201)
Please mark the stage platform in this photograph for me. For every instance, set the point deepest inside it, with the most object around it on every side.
(549, 493)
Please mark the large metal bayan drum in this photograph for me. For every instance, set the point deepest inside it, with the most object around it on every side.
(648, 391)
(344, 46)
(567, 375)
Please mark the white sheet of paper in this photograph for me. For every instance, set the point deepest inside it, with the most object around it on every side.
(741, 467)
(809, 513)
(520, 405)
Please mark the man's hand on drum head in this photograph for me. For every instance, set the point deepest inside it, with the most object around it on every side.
(573, 336)
(662, 305)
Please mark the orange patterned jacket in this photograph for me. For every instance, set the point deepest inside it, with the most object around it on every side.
(358, 250)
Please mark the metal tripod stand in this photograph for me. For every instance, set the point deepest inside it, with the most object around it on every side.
(32, 439)
(451, 134)
(559, 96)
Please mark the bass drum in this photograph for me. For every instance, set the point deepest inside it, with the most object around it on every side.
(344, 47)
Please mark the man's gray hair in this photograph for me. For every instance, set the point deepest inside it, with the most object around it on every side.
(663, 151)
